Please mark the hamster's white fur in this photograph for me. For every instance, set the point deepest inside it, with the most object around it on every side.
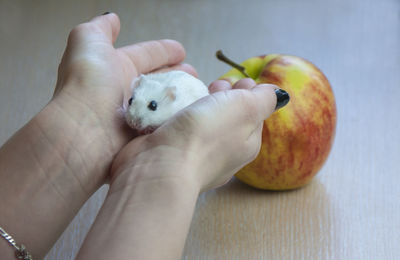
(172, 91)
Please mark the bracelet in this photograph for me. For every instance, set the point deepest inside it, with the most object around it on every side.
(20, 252)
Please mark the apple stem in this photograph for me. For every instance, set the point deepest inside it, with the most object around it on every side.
(223, 58)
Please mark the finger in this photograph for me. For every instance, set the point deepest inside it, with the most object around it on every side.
(101, 28)
(219, 85)
(109, 24)
(246, 83)
(249, 106)
(152, 55)
(266, 98)
(183, 67)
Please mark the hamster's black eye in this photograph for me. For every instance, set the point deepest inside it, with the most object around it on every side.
(152, 105)
(130, 101)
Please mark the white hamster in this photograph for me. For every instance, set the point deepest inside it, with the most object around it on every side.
(157, 97)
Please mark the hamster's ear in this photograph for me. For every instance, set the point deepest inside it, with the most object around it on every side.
(136, 81)
(170, 92)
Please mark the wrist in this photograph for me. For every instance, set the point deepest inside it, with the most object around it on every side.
(142, 214)
(35, 166)
(163, 164)
(84, 147)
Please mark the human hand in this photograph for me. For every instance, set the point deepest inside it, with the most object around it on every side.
(93, 81)
(156, 178)
(68, 147)
(211, 139)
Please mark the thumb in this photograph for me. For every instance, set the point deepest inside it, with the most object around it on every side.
(109, 23)
(104, 28)
(269, 98)
(245, 107)
(250, 105)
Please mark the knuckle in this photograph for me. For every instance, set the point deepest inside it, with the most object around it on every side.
(250, 107)
(253, 147)
(253, 153)
(186, 125)
(78, 30)
(256, 150)
(188, 119)
(145, 58)
(220, 98)
(81, 30)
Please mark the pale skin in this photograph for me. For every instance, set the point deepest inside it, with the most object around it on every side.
(79, 142)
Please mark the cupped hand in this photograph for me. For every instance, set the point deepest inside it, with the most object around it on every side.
(94, 81)
(205, 144)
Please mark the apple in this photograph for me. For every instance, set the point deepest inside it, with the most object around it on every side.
(296, 139)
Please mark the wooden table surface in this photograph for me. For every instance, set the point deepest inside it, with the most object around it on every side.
(349, 211)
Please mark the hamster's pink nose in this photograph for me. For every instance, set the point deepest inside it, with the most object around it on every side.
(137, 123)
(133, 121)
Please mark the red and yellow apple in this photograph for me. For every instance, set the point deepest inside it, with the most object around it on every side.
(296, 139)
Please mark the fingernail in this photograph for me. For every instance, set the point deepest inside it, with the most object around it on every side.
(282, 98)
(106, 13)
